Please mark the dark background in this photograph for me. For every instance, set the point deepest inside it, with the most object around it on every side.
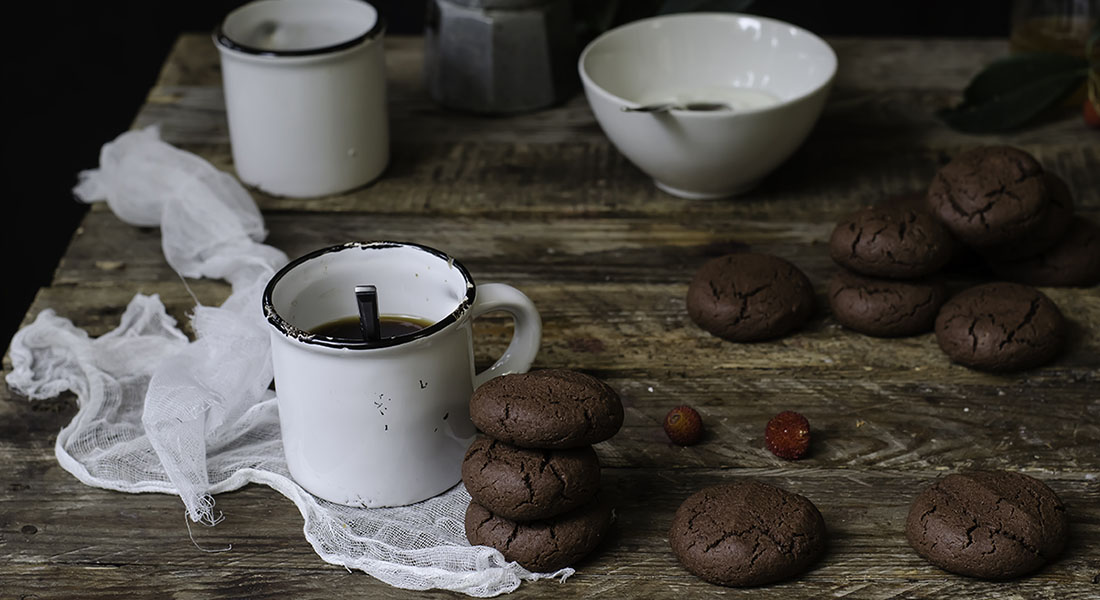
(76, 73)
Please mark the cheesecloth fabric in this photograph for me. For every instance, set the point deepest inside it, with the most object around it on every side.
(160, 413)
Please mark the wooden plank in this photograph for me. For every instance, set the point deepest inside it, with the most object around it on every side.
(870, 63)
(896, 404)
(877, 136)
(863, 148)
(77, 528)
(517, 250)
(628, 327)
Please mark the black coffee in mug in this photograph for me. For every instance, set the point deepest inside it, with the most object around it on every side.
(347, 328)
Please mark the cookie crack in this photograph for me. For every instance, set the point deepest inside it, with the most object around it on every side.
(902, 227)
(874, 236)
(564, 487)
(973, 336)
(898, 317)
(1009, 336)
(970, 533)
(995, 528)
(924, 522)
(526, 478)
(855, 242)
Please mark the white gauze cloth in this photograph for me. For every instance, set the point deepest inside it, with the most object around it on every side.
(159, 413)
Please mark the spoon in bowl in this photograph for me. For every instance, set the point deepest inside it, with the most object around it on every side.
(690, 106)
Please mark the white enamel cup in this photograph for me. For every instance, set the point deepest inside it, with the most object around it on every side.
(305, 94)
(386, 422)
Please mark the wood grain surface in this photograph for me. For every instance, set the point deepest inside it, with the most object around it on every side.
(545, 203)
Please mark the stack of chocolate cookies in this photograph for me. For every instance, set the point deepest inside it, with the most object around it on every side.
(993, 202)
(1000, 201)
(534, 477)
(890, 256)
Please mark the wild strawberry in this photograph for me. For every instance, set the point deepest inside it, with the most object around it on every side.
(1088, 110)
(683, 426)
(788, 435)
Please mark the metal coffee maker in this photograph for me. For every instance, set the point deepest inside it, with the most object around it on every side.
(500, 56)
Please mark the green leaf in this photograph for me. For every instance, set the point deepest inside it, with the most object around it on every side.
(1009, 74)
(1012, 91)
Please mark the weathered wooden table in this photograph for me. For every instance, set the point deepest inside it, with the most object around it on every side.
(544, 202)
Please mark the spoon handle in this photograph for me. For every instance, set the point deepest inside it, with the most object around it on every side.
(667, 106)
(650, 108)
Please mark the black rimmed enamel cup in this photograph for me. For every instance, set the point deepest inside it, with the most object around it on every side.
(383, 422)
(305, 94)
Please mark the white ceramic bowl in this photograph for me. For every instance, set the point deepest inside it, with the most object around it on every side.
(776, 76)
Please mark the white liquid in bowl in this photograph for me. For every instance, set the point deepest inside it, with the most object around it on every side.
(739, 99)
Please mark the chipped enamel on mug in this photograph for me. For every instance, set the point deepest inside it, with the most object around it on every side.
(383, 422)
(305, 95)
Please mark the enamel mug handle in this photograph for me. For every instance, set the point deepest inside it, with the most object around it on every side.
(527, 336)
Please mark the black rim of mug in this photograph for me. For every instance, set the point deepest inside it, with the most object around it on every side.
(224, 40)
(306, 337)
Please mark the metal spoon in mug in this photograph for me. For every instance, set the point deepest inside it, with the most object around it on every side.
(689, 106)
(366, 296)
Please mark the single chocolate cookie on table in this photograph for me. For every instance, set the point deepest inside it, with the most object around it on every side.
(749, 297)
(894, 243)
(541, 546)
(1000, 327)
(746, 533)
(525, 485)
(551, 408)
(1073, 262)
(988, 524)
(990, 196)
(1050, 230)
(885, 307)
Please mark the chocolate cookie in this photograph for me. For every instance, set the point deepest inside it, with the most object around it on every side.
(749, 297)
(524, 485)
(993, 525)
(746, 533)
(541, 546)
(990, 195)
(1050, 230)
(1074, 261)
(885, 307)
(1000, 327)
(882, 242)
(552, 409)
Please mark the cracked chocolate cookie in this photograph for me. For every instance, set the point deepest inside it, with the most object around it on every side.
(525, 485)
(992, 525)
(552, 408)
(746, 533)
(1000, 327)
(885, 307)
(1073, 262)
(749, 297)
(1049, 231)
(894, 243)
(990, 195)
(541, 546)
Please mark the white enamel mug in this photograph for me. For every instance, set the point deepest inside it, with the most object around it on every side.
(305, 94)
(383, 422)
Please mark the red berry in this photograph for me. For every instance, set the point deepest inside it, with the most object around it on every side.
(1089, 111)
(683, 426)
(788, 435)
